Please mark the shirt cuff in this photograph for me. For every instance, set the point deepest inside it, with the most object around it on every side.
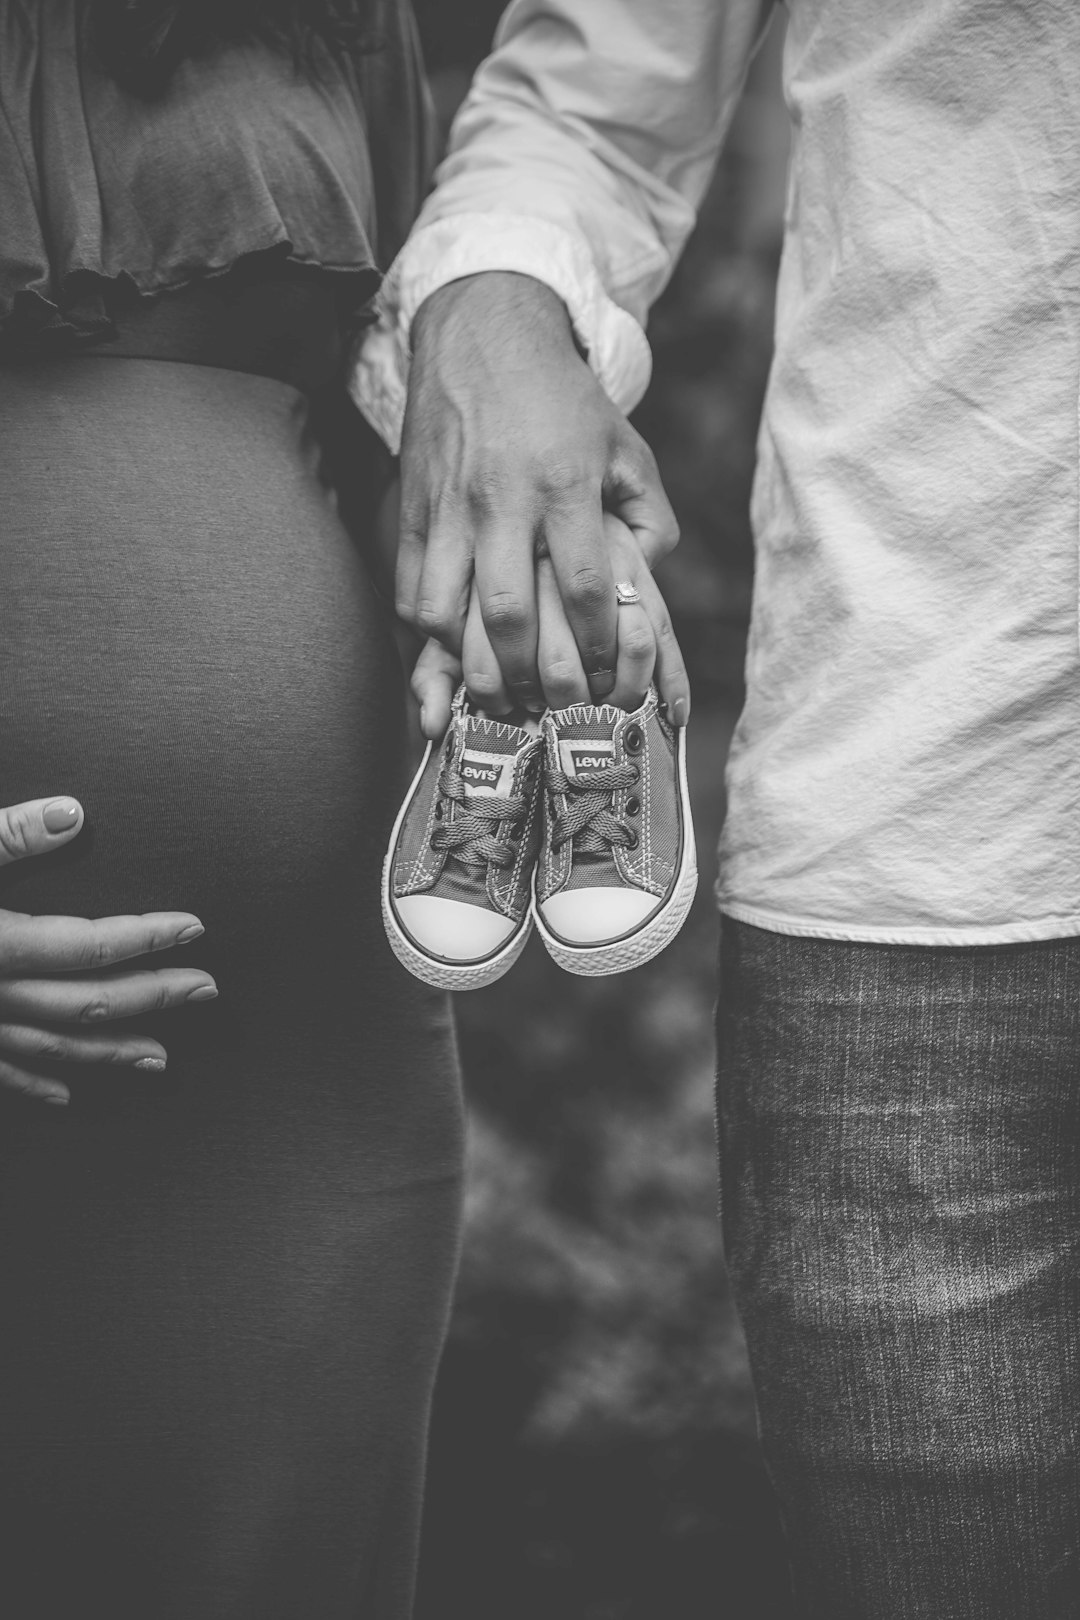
(464, 245)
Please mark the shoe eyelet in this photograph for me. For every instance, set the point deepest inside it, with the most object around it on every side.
(632, 842)
(637, 773)
(438, 811)
(633, 806)
(633, 740)
(516, 830)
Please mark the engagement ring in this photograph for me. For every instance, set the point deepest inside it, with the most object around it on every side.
(626, 593)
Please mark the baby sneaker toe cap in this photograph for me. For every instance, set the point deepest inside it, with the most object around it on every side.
(453, 929)
(588, 916)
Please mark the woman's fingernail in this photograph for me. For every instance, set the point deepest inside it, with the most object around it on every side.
(151, 1065)
(423, 719)
(602, 682)
(205, 992)
(680, 712)
(192, 931)
(59, 1099)
(60, 816)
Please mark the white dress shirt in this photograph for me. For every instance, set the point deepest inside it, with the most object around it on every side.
(907, 765)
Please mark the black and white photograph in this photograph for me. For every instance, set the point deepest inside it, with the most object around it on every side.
(540, 809)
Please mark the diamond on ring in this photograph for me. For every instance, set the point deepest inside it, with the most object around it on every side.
(626, 593)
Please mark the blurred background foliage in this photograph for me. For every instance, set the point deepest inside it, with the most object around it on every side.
(593, 1447)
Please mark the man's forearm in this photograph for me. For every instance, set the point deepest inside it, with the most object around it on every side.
(575, 169)
(579, 158)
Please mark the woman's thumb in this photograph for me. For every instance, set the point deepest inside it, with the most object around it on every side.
(37, 826)
(435, 679)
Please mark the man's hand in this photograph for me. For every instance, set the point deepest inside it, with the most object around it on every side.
(511, 451)
(647, 651)
(59, 976)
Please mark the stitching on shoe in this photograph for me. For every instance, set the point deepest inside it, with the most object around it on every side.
(533, 762)
(647, 820)
(425, 851)
(580, 713)
(515, 873)
(555, 862)
(495, 728)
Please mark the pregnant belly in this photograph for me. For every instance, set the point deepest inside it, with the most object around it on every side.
(189, 642)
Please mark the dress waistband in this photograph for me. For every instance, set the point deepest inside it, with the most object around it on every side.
(287, 326)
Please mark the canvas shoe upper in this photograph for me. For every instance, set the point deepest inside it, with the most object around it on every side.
(458, 873)
(618, 868)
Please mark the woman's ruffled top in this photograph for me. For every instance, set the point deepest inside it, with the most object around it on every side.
(101, 189)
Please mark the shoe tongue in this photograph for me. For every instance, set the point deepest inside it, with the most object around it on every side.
(489, 753)
(586, 737)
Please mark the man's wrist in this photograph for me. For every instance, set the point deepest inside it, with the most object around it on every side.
(493, 295)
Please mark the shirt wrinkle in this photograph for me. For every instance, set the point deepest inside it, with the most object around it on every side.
(907, 765)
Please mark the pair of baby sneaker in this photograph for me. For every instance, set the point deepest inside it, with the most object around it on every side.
(580, 824)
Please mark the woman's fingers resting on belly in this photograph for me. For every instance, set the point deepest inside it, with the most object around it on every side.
(32, 949)
(31, 945)
(37, 826)
(97, 1046)
(98, 998)
(31, 1045)
(32, 1008)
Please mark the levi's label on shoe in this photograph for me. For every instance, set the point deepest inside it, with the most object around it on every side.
(487, 773)
(578, 755)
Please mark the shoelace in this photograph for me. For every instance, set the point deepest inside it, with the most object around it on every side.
(475, 836)
(588, 818)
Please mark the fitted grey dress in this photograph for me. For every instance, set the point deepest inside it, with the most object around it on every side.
(222, 1291)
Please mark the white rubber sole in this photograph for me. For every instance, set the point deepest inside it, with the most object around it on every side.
(436, 970)
(633, 950)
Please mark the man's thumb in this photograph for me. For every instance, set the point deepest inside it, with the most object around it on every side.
(37, 826)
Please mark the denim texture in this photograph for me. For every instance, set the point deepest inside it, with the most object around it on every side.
(900, 1155)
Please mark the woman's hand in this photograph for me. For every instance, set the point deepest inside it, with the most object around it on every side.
(58, 981)
(646, 649)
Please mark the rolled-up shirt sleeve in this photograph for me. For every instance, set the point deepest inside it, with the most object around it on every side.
(579, 157)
